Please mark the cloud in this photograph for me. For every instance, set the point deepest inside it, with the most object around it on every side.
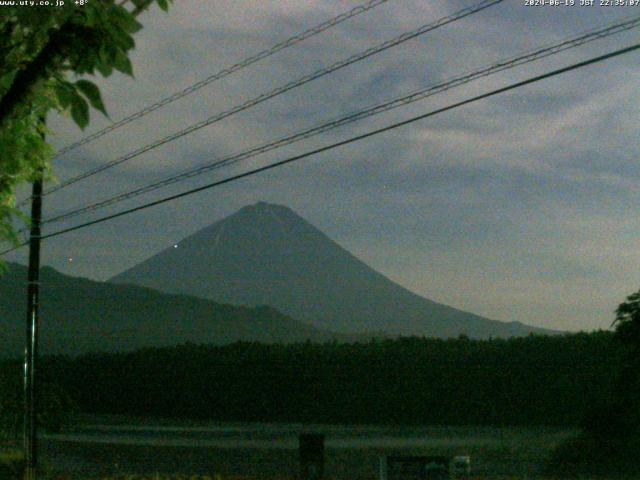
(518, 207)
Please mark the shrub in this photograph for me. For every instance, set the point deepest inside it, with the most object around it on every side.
(11, 465)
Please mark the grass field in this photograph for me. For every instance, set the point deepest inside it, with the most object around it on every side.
(129, 449)
(270, 451)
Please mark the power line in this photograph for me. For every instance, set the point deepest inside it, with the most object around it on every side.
(217, 76)
(282, 89)
(226, 72)
(357, 138)
(421, 94)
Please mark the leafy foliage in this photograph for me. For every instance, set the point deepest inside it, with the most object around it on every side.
(40, 50)
(626, 413)
(11, 464)
(627, 321)
(522, 381)
(608, 443)
(616, 417)
(586, 456)
(55, 404)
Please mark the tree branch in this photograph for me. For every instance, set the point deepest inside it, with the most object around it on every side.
(26, 79)
(48, 59)
(138, 10)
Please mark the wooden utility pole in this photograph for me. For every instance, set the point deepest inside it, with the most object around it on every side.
(31, 348)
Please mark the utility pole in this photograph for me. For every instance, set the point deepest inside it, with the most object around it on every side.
(31, 348)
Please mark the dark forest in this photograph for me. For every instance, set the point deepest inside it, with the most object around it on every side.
(534, 380)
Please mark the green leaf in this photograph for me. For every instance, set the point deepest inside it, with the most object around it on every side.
(65, 92)
(80, 111)
(93, 14)
(91, 91)
(125, 20)
(105, 61)
(104, 68)
(85, 61)
(122, 63)
(163, 4)
(124, 41)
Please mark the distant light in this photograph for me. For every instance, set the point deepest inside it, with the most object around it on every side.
(175, 246)
(70, 259)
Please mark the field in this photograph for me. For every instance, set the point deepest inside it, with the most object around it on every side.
(143, 450)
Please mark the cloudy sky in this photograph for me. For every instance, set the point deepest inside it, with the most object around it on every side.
(519, 207)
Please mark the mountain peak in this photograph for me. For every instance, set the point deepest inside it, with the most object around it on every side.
(266, 254)
(260, 221)
(265, 208)
(266, 205)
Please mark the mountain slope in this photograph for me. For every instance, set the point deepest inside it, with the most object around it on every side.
(80, 315)
(266, 254)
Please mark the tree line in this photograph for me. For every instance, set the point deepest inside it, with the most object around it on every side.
(534, 380)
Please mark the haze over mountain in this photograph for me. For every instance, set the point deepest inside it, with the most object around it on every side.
(80, 315)
(266, 254)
